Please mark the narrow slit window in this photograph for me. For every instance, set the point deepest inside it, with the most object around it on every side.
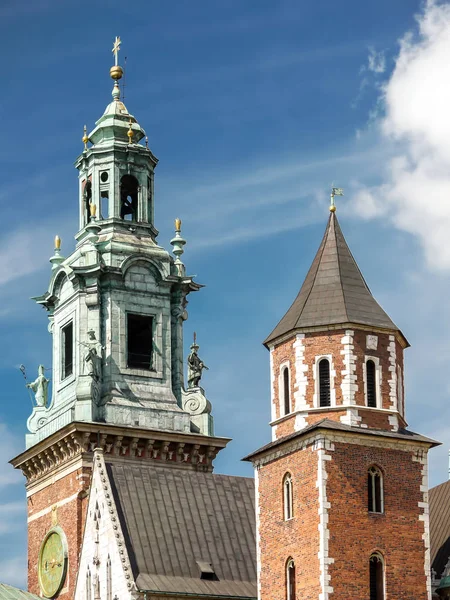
(290, 580)
(67, 351)
(375, 490)
(324, 382)
(286, 391)
(288, 497)
(371, 376)
(139, 341)
(376, 577)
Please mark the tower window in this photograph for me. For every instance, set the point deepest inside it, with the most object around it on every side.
(67, 350)
(288, 498)
(376, 577)
(324, 382)
(286, 391)
(371, 382)
(104, 177)
(290, 580)
(87, 200)
(375, 490)
(139, 341)
(129, 198)
(104, 205)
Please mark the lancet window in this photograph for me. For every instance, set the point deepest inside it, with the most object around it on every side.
(371, 383)
(286, 391)
(324, 382)
(290, 580)
(288, 497)
(376, 566)
(375, 490)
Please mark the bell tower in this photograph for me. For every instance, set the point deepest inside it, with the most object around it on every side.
(116, 308)
(342, 496)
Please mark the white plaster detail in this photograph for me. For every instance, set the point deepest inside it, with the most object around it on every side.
(393, 421)
(378, 380)
(316, 399)
(400, 398)
(351, 418)
(301, 369)
(103, 536)
(274, 433)
(258, 533)
(421, 456)
(393, 371)
(371, 342)
(348, 386)
(321, 446)
(300, 421)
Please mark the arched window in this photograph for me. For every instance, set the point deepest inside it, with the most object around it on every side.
(129, 198)
(324, 382)
(286, 391)
(371, 382)
(288, 498)
(375, 490)
(290, 580)
(376, 577)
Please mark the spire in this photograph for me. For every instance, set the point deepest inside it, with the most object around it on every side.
(334, 291)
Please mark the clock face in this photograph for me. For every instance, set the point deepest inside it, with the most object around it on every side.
(52, 563)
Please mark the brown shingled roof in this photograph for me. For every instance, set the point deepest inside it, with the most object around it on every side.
(439, 499)
(176, 520)
(333, 292)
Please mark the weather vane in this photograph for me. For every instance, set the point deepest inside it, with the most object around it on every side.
(335, 191)
(116, 49)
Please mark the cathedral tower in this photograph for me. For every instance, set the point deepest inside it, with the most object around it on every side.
(342, 507)
(116, 309)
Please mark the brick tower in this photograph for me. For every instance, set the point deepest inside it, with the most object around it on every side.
(342, 506)
(116, 308)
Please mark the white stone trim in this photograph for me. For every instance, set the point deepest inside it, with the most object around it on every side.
(281, 398)
(348, 386)
(46, 511)
(352, 417)
(400, 391)
(378, 380)
(421, 456)
(272, 385)
(316, 400)
(258, 532)
(321, 446)
(301, 369)
(393, 371)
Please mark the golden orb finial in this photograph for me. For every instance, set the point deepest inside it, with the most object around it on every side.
(178, 225)
(130, 133)
(333, 208)
(57, 242)
(85, 137)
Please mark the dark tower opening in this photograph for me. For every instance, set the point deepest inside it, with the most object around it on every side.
(129, 198)
(371, 384)
(324, 382)
(287, 398)
(139, 341)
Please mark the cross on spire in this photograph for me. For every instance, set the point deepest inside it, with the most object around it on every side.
(115, 50)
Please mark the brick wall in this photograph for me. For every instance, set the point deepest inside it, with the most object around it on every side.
(69, 496)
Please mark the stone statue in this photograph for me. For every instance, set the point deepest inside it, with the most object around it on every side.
(40, 387)
(195, 365)
(92, 358)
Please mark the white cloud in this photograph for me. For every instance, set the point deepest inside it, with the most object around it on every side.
(13, 571)
(376, 61)
(416, 192)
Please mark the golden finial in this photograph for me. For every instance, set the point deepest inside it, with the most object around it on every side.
(335, 192)
(130, 133)
(116, 71)
(178, 225)
(57, 242)
(93, 209)
(85, 138)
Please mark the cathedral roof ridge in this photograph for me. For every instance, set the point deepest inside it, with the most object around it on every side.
(333, 292)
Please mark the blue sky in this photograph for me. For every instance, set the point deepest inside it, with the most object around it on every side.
(253, 109)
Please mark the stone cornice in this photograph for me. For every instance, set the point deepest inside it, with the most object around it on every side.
(79, 439)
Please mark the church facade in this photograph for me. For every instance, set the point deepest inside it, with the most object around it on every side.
(122, 498)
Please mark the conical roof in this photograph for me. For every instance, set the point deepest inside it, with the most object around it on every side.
(333, 292)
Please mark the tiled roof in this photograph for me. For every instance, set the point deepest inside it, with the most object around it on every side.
(439, 499)
(333, 292)
(178, 520)
(8, 592)
(402, 434)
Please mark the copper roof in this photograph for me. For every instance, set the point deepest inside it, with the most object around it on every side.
(333, 292)
(177, 521)
(8, 592)
(439, 499)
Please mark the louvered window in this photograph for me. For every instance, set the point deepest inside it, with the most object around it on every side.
(290, 580)
(286, 391)
(371, 377)
(376, 577)
(324, 382)
(375, 490)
